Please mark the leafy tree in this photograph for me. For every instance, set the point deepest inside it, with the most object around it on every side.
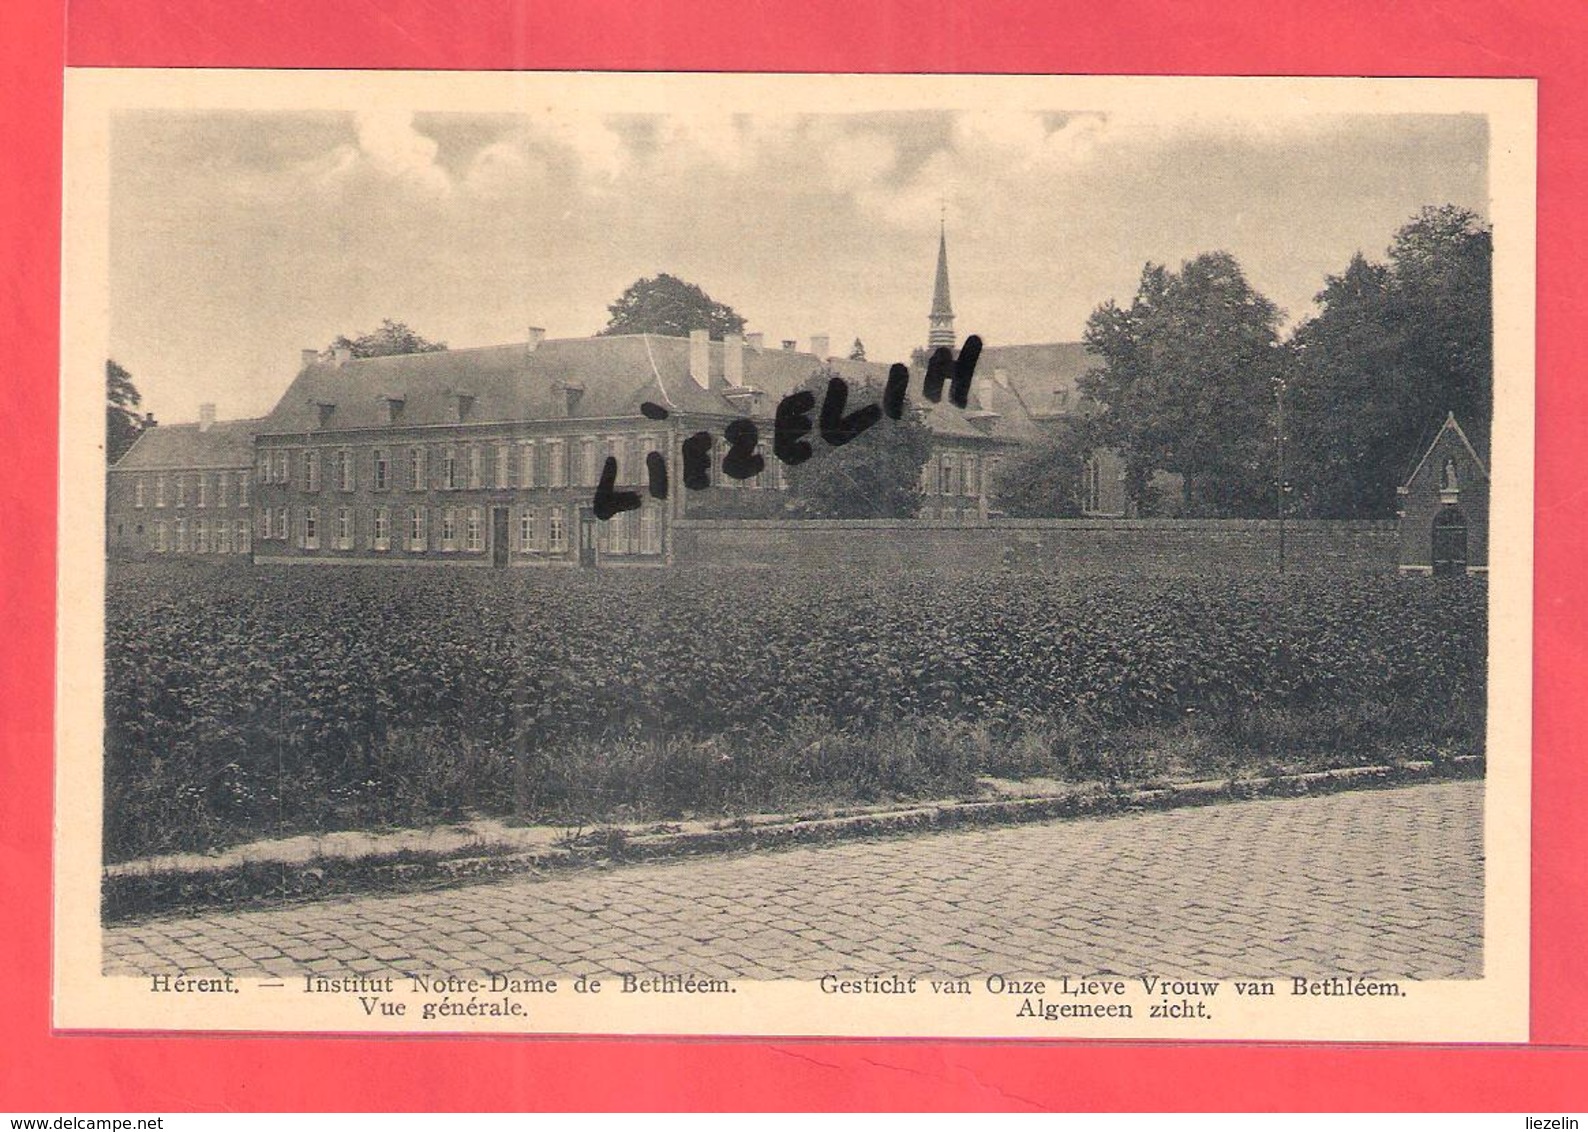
(1394, 347)
(875, 475)
(391, 338)
(122, 422)
(1187, 384)
(670, 306)
(1043, 480)
(857, 352)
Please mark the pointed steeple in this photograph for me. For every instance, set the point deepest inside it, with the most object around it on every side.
(941, 320)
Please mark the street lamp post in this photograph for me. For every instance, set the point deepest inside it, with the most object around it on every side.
(1281, 488)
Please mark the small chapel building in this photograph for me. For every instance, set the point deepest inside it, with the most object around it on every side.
(1444, 508)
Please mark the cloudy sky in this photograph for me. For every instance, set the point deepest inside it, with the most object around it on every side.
(238, 238)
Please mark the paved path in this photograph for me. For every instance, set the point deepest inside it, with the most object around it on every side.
(1386, 882)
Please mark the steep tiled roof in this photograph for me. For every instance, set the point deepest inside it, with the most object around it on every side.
(612, 377)
(224, 444)
(1044, 375)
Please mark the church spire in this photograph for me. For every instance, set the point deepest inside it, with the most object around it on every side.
(942, 317)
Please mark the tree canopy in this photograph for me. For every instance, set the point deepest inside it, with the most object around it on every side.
(1394, 347)
(670, 306)
(1043, 480)
(391, 338)
(1187, 383)
(122, 422)
(875, 475)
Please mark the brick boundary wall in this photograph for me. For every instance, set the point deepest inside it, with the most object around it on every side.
(1121, 546)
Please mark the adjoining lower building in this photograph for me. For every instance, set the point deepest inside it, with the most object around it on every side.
(1444, 508)
(184, 490)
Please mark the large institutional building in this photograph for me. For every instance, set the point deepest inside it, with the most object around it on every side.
(492, 455)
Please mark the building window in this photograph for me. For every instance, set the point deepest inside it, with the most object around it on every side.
(223, 488)
(650, 530)
(504, 466)
(616, 532)
(449, 469)
(613, 451)
(476, 463)
(266, 515)
(240, 542)
(281, 523)
(223, 537)
(159, 491)
(382, 469)
(1092, 485)
(556, 532)
(587, 462)
(416, 469)
(137, 492)
(945, 475)
(344, 528)
(760, 479)
(449, 529)
(526, 528)
(242, 490)
(181, 491)
(556, 464)
(474, 531)
(161, 537)
(281, 467)
(526, 463)
(201, 490)
(311, 470)
(381, 527)
(416, 528)
(181, 536)
(264, 467)
(311, 528)
(201, 539)
(346, 474)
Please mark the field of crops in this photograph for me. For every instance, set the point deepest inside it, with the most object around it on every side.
(250, 702)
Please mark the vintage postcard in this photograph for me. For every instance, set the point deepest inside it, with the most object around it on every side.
(1000, 557)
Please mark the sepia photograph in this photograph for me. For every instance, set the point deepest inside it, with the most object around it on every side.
(1009, 557)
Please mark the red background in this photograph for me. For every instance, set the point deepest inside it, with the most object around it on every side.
(1546, 39)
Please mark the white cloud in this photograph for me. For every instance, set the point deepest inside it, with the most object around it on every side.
(502, 168)
(601, 152)
(388, 141)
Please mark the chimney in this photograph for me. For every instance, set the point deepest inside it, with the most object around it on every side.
(700, 357)
(1001, 377)
(537, 335)
(343, 356)
(308, 357)
(733, 359)
(819, 346)
(206, 416)
(789, 343)
(757, 341)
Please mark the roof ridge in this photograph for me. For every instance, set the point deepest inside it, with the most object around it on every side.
(650, 357)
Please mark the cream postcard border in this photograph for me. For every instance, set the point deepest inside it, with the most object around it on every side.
(1493, 1008)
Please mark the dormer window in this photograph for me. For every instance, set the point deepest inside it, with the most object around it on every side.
(394, 410)
(327, 409)
(465, 406)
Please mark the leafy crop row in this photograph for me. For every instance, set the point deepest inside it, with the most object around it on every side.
(246, 702)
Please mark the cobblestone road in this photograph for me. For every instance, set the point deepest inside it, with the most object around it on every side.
(1385, 882)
